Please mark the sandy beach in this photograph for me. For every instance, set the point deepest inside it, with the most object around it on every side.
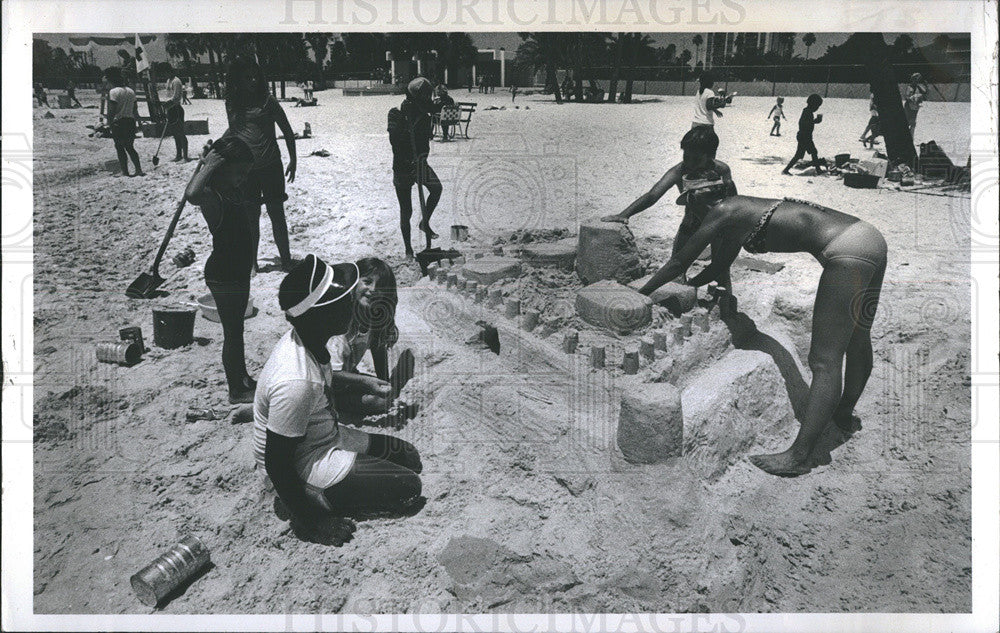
(530, 506)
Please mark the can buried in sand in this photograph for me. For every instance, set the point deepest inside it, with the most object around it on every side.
(570, 341)
(194, 414)
(170, 570)
(459, 232)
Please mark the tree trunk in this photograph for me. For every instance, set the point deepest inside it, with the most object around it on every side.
(282, 88)
(578, 70)
(627, 95)
(616, 70)
(553, 81)
(898, 140)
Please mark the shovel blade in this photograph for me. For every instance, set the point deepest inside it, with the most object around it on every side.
(144, 286)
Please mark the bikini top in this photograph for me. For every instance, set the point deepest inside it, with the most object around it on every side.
(754, 241)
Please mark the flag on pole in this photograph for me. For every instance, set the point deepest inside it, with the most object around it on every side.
(141, 61)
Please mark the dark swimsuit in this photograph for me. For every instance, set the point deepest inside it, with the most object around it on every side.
(859, 241)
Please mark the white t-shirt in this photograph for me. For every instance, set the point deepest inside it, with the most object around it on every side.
(294, 399)
(702, 114)
(124, 97)
(176, 91)
(350, 354)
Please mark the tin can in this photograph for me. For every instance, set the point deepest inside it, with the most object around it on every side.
(125, 353)
(134, 334)
(194, 414)
(170, 570)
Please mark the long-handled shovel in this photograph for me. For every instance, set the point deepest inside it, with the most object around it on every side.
(146, 284)
(156, 156)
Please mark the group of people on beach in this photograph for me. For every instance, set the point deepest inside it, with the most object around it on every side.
(852, 252)
(317, 379)
(317, 384)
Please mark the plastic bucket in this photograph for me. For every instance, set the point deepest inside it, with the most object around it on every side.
(208, 310)
(173, 327)
(170, 569)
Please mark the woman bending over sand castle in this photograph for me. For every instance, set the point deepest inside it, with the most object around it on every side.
(699, 147)
(373, 331)
(322, 471)
(853, 255)
(217, 187)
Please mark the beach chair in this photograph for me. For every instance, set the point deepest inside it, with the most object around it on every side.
(449, 118)
(467, 109)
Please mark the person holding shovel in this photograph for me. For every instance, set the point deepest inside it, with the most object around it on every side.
(410, 131)
(324, 472)
(253, 114)
(217, 186)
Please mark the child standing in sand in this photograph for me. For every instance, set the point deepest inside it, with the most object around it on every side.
(807, 122)
(323, 471)
(253, 114)
(371, 334)
(410, 130)
(873, 130)
(699, 147)
(777, 114)
(217, 187)
(707, 106)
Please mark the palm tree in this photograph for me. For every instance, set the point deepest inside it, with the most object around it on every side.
(698, 41)
(320, 45)
(808, 39)
(617, 47)
(542, 50)
(638, 46)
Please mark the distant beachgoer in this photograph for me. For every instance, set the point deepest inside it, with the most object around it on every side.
(442, 99)
(175, 118)
(853, 255)
(874, 129)
(323, 471)
(218, 188)
(253, 113)
(916, 93)
(513, 91)
(121, 119)
(807, 122)
(71, 94)
(359, 385)
(699, 146)
(777, 114)
(184, 95)
(40, 95)
(707, 104)
(410, 130)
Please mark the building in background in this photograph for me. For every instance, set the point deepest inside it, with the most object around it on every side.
(721, 46)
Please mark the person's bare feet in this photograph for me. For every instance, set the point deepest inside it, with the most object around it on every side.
(848, 424)
(614, 218)
(426, 228)
(781, 464)
(785, 172)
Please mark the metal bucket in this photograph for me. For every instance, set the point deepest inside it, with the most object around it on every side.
(170, 570)
(459, 232)
(125, 353)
